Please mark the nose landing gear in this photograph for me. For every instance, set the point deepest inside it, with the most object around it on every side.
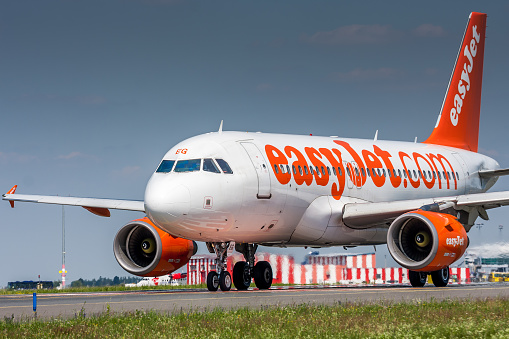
(220, 278)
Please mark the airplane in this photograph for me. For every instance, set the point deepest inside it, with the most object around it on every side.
(249, 189)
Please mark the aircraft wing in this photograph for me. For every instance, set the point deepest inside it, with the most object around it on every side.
(97, 206)
(365, 215)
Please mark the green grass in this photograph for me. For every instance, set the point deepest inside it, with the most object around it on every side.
(446, 319)
(103, 289)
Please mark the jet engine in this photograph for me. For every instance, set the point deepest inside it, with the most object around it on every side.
(426, 241)
(143, 249)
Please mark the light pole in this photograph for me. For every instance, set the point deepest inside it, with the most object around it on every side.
(63, 271)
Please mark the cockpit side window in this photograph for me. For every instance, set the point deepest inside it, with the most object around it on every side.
(191, 165)
(210, 166)
(224, 166)
(165, 166)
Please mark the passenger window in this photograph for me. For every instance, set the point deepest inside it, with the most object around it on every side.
(323, 171)
(409, 174)
(449, 175)
(191, 165)
(224, 166)
(276, 168)
(300, 170)
(457, 176)
(389, 172)
(415, 175)
(369, 172)
(294, 169)
(356, 171)
(328, 170)
(379, 172)
(383, 171)
(374, 173)
(340, 171)
(362, 170)
(334, 170)
(165, 166)
(287, 169)
(210, 166)
(306, 170)
(348, 171)
(424, 174)
(311, 170)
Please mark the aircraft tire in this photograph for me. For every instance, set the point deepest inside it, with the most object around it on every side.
(263, 275)
(417, 279)
(225, 281)
(241, 275)
(212, 281)
(440, 278)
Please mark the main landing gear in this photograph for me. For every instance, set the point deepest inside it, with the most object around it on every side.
(243, 271)
(440, 278)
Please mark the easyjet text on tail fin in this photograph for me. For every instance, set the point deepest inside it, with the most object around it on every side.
(458, 122)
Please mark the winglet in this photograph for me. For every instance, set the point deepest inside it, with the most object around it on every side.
(12, 191)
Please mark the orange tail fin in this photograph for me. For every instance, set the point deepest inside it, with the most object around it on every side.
(458, 122)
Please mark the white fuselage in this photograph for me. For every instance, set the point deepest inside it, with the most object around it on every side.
(290, 206)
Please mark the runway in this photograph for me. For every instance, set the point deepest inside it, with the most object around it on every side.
(66, 305)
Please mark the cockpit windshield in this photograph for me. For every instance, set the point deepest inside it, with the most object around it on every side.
(210, 166)
(224, 166)
(191, 165)
(195, 165)
(165, 166)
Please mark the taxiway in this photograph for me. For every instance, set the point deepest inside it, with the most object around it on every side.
(66, 305)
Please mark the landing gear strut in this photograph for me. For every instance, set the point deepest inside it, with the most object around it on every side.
(244, 271)
(220, 278)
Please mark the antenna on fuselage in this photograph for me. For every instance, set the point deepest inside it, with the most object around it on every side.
(220, 128)
(415, 140)
(376, 136)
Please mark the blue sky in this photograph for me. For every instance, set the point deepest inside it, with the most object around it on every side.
(93, 93)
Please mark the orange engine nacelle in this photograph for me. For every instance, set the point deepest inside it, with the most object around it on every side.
(143, 249)
(426, 241)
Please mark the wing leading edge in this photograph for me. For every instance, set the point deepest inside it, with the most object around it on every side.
(97, 206)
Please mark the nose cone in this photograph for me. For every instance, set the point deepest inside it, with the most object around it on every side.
(166, 202)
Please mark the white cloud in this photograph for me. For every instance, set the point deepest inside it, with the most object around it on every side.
(361, 75)
(353, 34)
(429, 30)
(76, 155)
(70, 155)
(264, 87)
(12, 157)
(127, 172)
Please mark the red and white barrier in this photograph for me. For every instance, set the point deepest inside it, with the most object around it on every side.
(286, 271)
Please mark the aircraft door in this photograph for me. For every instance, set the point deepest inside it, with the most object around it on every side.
(262, 170)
